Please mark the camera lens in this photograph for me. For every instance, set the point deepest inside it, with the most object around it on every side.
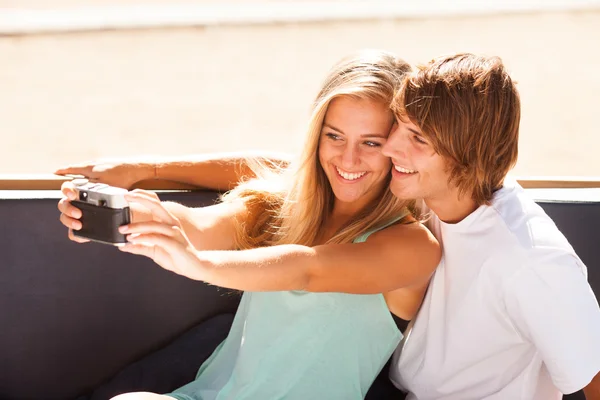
(83, 196)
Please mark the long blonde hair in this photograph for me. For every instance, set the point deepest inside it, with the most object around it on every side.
(291, 205)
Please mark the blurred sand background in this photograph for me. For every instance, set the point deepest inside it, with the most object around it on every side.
(66, 98)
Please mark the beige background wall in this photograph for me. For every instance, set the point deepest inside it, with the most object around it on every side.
(70, 97)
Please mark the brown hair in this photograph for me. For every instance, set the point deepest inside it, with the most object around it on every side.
(290, 206)
(468, 107)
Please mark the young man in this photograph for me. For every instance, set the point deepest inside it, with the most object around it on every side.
(509, 313)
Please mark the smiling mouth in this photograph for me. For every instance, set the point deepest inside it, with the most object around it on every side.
(350, 176)
(404, 170)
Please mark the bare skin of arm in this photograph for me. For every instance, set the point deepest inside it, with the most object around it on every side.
(592, 390)
(375, 266)
(405, 302)
(379, 265)
(217, 171)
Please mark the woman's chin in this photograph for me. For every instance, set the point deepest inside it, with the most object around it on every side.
(346, 197)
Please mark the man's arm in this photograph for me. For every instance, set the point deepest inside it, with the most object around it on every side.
(551, 304)
(592, 390)
(215, 171)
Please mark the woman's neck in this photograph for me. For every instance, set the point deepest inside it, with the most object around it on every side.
(337, 218)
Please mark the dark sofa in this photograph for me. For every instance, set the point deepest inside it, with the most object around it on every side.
(73, 315)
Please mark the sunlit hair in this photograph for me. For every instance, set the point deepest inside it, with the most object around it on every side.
(291, 205)
(468, 107)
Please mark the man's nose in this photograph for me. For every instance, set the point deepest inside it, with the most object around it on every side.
(394, 146)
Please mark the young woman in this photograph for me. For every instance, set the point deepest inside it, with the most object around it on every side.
(313, 247)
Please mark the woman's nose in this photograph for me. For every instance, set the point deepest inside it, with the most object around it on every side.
(350, 156)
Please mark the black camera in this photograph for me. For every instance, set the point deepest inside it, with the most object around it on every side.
(103, 210)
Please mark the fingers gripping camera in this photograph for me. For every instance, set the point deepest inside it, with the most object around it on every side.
(104, 209)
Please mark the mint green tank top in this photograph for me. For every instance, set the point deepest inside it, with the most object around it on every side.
(298, 345)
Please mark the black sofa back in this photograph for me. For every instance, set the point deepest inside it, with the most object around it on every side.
(73, 315)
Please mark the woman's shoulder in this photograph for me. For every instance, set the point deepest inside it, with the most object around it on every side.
(409, 230)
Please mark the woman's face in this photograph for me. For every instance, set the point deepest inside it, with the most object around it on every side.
(353, 133)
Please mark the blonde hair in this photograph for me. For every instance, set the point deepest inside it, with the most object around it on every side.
(469, 108)
(290, 206)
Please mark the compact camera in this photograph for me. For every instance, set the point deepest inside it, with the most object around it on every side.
(103, 210)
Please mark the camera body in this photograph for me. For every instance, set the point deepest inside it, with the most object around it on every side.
(103, 210)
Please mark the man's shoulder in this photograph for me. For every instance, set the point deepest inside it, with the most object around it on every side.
(527, 223)
(524, 236)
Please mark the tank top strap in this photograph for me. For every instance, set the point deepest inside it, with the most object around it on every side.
(363, 238)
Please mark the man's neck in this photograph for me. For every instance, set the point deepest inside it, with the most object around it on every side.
(452, 209)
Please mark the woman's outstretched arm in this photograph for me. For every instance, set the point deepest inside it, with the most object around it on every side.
(397, 257)
(215, 171)
(400, 256)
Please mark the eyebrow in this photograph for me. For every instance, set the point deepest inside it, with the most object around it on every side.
(367, 135)
(416, 132)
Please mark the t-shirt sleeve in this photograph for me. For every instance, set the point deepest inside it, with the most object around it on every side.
(553, 306)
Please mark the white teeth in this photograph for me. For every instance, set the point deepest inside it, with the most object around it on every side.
(404, 170)
(350, 176)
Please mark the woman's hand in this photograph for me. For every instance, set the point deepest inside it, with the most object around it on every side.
(119, 173)
(70, 215)
(162, 239)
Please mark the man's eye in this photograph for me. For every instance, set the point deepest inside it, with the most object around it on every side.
(419, 139)
(372, 144)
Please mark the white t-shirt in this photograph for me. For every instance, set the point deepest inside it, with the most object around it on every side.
(509, 313)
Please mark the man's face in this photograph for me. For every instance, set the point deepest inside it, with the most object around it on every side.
(418, 172)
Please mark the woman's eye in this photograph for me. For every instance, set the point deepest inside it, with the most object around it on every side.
(332, 136)
(373, 144)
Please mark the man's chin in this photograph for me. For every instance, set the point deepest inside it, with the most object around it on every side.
(400, 191)
(402, 194)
